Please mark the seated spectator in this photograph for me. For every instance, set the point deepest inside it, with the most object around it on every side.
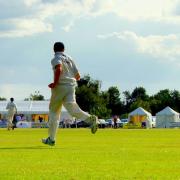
(18, 118)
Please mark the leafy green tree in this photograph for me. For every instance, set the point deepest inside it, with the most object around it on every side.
(155, 105)
(175, 95)
(90, 98)
(114, 100)
(35, 97)
(124, 116)
(100, 108)
(3, 99)
(140, 103)
(127, 102)
(133, 100)
(139, 93)
(127, 97)
(164, 98)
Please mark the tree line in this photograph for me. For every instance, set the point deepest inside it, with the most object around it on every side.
(107, 103)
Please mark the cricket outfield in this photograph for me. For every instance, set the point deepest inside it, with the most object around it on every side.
(110, 154)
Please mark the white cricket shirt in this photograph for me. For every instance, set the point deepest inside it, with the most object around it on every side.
(69, 69)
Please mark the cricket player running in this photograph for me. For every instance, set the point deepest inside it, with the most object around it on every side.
(12, 110)
(63, 93)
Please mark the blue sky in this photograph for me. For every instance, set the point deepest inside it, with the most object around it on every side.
(122, 43)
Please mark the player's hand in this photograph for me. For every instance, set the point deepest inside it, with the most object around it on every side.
(52, 85)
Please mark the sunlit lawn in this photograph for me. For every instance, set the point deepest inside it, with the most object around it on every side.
(78, 154)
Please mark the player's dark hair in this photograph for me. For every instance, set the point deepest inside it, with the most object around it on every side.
(11, 99)
(58, 47)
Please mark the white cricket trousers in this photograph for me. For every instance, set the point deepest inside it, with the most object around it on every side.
(63, 95)
(10, 117)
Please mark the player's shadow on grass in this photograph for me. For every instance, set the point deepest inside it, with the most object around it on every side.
(30, 147)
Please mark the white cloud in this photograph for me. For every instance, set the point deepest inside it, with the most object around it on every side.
(30, 3)
(161, 47)
(26, 27)
(22, 18)
(134, 10)
(68, 27)
(32, 16)
(22, 91)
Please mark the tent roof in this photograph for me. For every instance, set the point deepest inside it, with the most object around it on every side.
(28, 107)
(167, 111)
(139, 111)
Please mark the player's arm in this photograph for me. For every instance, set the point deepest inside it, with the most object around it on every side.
(75, 71)
(7, 107)
(77, 76)
(57, 72)
(16, 109)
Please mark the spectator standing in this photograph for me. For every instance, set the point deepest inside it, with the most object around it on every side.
(115, 118)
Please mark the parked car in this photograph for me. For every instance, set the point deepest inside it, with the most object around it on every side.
(65, 123)
(110, 122)
(123, 121)
(102, 123)
(79, 124)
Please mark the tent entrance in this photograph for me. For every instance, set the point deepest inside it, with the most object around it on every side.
(40, 117)
(138, 119)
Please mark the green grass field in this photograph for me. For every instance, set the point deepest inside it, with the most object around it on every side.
(110, 154)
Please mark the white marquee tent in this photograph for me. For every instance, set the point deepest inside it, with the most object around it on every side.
(140, 115)
(26, 107)
(165, 117)
(31, 109)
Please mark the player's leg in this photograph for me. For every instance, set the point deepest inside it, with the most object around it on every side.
(73, 108)
(75, 111)
(9, 121)
(54, 117)
(54, 114)
(13, 122)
